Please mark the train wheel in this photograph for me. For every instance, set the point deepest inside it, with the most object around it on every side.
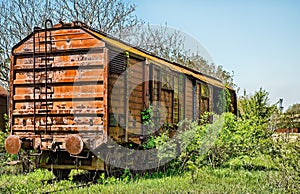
(61, 173)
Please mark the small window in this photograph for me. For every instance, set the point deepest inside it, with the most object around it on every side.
(167, 81)
(202, 99)
(205, 95)
(204, 90)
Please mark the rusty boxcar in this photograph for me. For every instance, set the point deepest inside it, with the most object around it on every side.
(69, 95)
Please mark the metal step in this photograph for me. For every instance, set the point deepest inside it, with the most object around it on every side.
(46, 139)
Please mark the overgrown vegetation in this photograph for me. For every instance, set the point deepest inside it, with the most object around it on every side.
(289, 119)
(243, 142)
(207, 180)
(230, 154)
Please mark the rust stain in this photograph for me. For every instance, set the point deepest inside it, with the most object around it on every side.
(12, 144)
(74, 144)
(74, 73)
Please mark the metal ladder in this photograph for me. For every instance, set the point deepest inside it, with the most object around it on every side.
(43, 87)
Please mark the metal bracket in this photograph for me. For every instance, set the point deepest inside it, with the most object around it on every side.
(81, 157)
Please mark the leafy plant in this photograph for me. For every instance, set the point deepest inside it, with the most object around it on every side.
(147, 115)
(224, 101)
(256, 107)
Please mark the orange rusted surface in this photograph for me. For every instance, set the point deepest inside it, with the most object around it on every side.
(12, 144)
(62, 100)
(63, 40)
(74, 144)
(285, 130)
(58, 87)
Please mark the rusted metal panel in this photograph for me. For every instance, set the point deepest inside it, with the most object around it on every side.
(77, 60)
(75, 90)
(62, 40)
(63, 75)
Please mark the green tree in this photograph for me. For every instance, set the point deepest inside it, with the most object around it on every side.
(169, 44)
(256, 106)
(295, 108)
(289, 119)
(115, 17)
(19, 17)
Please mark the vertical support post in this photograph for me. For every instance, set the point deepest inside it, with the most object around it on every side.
(194, 100)
(34, 87)
(46, 75)
(147, 79)
(46, 67)
(151, 84)
(106, 92)
(184, 96)
(126, 97)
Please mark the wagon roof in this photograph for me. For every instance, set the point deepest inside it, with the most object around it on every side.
(152, 58)
(137, 51)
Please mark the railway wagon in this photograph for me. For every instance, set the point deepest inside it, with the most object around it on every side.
(74, 89)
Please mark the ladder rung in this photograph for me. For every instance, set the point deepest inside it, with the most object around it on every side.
(44, 124)
(47, 86)
(47, 104)
(45, 42)
(41, 87)
(48, 65)
(46, 139)
(50, 92)
(46, 78)
(44, 111)
(48, 58)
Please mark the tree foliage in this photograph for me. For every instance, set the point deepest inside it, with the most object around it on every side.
(256, 106)
(170, 44)
(289, 119)
(19, 17)
(295, 109)
(115, 17)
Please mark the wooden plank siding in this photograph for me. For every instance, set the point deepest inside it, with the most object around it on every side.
(189, 104)
(132, 83)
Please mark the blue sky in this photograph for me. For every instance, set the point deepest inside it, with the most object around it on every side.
(259, 40)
